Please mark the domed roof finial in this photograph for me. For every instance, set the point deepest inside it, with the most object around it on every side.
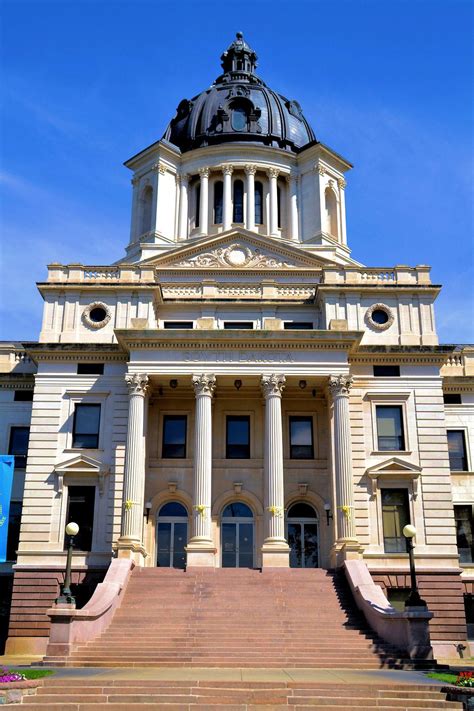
(239, 57)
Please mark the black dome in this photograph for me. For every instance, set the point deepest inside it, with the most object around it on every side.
(239, 107)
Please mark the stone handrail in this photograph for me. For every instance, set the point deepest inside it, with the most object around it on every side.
(398, 275)
(408, 630)
(70, 626)
(120, 273)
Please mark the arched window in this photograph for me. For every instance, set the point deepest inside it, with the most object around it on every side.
(238, 215)
(301, 510)
(147, 200)
(197, 199)
(331, 213)
(237, 510)
(239, 116)
(218, 201)
(173, 508)
(258, 203)
(279, 205)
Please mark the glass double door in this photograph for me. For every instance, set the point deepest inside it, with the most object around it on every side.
(172, 538)
(237, 544)
(303, 542)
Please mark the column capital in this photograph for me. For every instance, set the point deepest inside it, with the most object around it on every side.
(250, 169)
(340, 385)
(159, 168)
(342, 183)
(137, 383)
(183, 179)
(272, 384)
(204, 172)
(273, 172)
(227, 169)
(204, 384)
(320, 169)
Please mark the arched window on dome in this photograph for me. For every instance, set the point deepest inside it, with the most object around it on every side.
(238, 215)
(239, 115)
(331, 213)
(197, 205)
(218, 201)
(258, 203)
(146, 206)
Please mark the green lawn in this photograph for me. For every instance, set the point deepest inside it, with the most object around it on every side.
(33, 673)
(443, 676)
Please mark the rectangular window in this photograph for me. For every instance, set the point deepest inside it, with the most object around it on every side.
(80, 509)
(13, 529)
(237, 437)
(301, 438)
(390, 428)
(18, 445)
(395, 515)
(452, 399)
(174, 437)
(464, 533)
(90, 368)
(457, 451)
(23, 396)
(85, 432)
(178, 324)
(387, 371)
(298, 325)
(238, 325)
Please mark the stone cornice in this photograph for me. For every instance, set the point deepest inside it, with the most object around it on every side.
(458, 383)
(78, 352)
(400, 354)
(17, 381)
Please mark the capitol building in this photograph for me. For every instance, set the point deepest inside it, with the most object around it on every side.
(238, 391)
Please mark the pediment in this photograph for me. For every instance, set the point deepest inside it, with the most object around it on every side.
(395, 469)
(237, 250)
(80, 463)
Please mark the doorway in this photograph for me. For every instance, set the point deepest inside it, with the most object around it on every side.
(237, 536)
(302, 536)
(172, 535)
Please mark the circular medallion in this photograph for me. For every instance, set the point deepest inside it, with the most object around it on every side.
(379, 317)
(96, 315)
(237, 256)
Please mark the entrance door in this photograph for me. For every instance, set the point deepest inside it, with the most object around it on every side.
(172, 532)
(237, 536)
(302, 525)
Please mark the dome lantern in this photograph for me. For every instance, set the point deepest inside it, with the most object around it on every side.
(239, 57)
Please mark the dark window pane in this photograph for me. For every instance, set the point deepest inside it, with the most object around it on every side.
(90, 368)
(301, 510)
(387, 371)
(452, 399)
(301, 438)
(198, 204)
(229, 545)
(395, 515)
(86, 426)
(237, 510)
(173, 508)
(178, 324)
(298, 325)
(13, 537)
(18, 445)
(238, 325)
(390, 427)
(23, 396)
(464, 533)
(258, 203)
(164, 545)
(238, 437)
(279, 205)
(218, 202)
(174, 436)
(81, 511)
(457, 451)
(380, 316)
(238, 215)
(239, 118)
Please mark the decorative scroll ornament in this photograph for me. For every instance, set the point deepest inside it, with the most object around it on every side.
(137, 383)
(204, 384)
(340, 385)
(273, 384)
(276, 511)
(236, 255)
(346, 510)
(201, 510)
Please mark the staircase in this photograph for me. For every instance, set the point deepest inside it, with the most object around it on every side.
(236, 618)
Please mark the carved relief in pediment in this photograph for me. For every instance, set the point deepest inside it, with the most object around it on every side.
(237, 256)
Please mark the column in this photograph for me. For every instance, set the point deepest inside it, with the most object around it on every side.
(293, 232)
(134, 219)
(227, 171)
(273, 174)
(204, 202)
(275, 550)
(130, 544)
(183, 206)
(250, 171)
(346, 545)
(200, 549)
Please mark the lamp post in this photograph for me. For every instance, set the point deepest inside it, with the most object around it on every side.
(413, 599)
(66, 598)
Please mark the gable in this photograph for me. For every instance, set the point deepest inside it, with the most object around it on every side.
(237, 250)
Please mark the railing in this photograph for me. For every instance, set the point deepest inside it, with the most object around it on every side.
(385, 276)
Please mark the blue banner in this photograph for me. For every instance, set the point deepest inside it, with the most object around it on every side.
(7, 465)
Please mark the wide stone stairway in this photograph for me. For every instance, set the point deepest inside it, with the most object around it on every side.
(236, 618)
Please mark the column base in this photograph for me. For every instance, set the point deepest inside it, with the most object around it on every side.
(345, 549)
(200, 554)
(131, 549)
(275, 554)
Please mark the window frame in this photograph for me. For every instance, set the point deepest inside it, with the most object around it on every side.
(238, 416)
(409, 512)
(95, 519)
(288, 326)
(216, 199)
(399, 408)
(73, 430)
(174, 416)
(458, 504)
(380, 374)
(24, 457)
(300, 418)
(177, 327)
(465, 434)
(237, 328)
(99, 366)
(405, 401)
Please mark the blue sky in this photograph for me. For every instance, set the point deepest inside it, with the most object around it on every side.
(87, 84)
